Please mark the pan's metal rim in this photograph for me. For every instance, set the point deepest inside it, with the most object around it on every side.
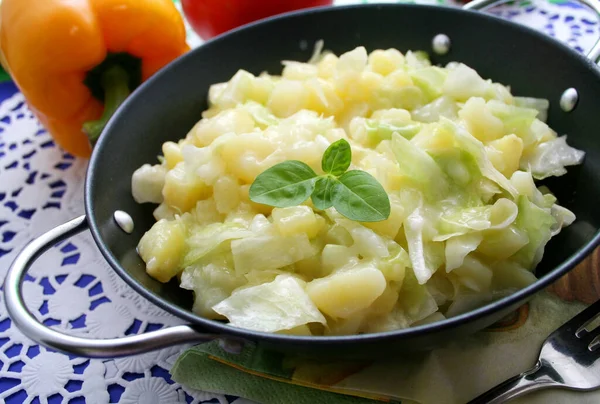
(398, 335)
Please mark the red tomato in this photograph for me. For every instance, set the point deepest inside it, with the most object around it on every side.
(210, 18)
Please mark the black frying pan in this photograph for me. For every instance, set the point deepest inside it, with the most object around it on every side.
(167, 106)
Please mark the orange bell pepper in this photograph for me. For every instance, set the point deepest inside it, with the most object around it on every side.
(75, 61)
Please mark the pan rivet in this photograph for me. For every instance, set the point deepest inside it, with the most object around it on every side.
(441, 44)
(124, 221)
(568, 99)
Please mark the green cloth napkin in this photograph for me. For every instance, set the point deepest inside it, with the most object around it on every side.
(207, 367)
(453, 374)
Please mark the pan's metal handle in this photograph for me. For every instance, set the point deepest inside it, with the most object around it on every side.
(92, 348)
(593, 54)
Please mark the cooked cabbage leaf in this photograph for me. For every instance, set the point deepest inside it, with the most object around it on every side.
(442, 106)
(279, 305)
(270, 251)
(540, 104)
(457, 248)
(205, 239)
(212, 280)
(420, 167)
(473, 146)
(425, 256)
(550, 158)
(538, 224)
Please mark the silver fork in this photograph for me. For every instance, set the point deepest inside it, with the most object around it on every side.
(569, 359)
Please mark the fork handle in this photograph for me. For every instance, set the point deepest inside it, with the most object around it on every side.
(519, 385)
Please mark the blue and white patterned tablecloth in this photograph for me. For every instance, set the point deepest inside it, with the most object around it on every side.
(71, 288)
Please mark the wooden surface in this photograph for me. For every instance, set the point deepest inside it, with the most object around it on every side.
(582, 283)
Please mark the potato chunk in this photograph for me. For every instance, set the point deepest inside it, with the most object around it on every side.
(183, 189)
(505, 154)
(296, 219)
(172, 153)
(162, 247)
(147, 183)
(480, 121)
(345, 293)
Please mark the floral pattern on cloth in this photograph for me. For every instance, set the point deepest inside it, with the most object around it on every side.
(72, 289)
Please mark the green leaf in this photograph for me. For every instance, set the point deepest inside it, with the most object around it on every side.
(321, 196)
(358, 196)
(285, 184)
(337, 158)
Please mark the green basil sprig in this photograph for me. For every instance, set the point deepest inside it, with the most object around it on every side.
(355, 194)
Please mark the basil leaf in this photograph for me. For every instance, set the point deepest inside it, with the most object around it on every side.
(359, 197)
(285, 184)
(337, 158)
(321, 196)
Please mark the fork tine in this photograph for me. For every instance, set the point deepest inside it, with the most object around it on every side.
(582, 319)
(588, 335)
(594, 344)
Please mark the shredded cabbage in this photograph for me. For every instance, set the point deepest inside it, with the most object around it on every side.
(278, 305)
(378, 131)
(425, 256)
(458, 247)
(537, 223)
(270, 252)
(209, 237)
(457, 154)
(463, 82)
(468, 143)
(551, 158)
(539, 104)
(430, 80)
(474, 274)
(419, 167)
(442, 106)
(213, 279)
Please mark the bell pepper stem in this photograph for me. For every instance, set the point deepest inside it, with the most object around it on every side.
(115, 83)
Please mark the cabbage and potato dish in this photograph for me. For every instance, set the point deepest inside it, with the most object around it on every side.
(456, 154)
